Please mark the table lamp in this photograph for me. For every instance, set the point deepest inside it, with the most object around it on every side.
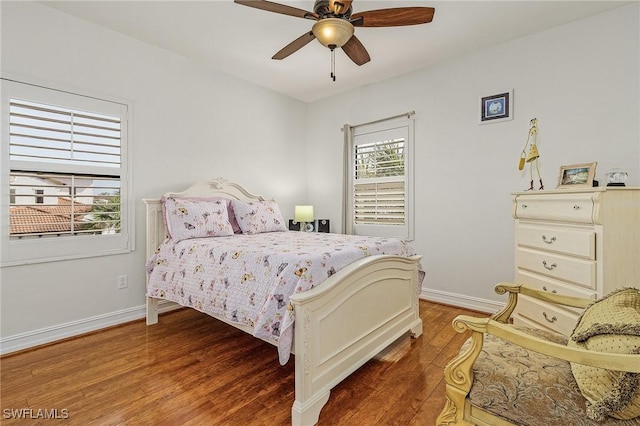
(304, 216)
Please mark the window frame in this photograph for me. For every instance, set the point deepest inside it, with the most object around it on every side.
(47, 249)
(381, 130)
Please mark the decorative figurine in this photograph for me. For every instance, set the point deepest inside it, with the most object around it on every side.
(533, 153)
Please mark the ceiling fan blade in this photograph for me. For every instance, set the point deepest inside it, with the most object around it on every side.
(294, 46)
(393, 17)
(356, 52)
(278, 8)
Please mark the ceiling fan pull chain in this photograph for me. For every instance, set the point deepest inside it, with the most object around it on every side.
(333, 64)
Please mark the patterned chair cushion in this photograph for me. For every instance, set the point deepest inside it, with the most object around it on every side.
(527, 388)
(612, 325)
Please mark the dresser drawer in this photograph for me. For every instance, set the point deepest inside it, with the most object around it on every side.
(520, 321)
(544, 283)
(571, 269)
(547, 315)
(577, 208)
(577, 242)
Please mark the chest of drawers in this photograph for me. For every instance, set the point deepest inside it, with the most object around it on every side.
(582, 242)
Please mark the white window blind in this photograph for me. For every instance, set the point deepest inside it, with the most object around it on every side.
(379, 188)
(51, 134)
(67, 175)
(380, 159)
(379, 202)
(64, 203)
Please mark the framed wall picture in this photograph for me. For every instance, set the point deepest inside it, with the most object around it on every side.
(496, 108)
(577, 175)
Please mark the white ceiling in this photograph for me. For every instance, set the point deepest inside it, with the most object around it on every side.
(240, 40)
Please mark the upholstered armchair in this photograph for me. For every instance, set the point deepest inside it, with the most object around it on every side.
(508, 375)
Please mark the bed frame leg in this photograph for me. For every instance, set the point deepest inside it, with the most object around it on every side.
(308, 413)
(152, 311)
(416, 329)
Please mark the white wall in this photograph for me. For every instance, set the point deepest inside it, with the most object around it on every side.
(581, 81)
(188, 124)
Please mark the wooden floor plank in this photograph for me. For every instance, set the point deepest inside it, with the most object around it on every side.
(190, 369)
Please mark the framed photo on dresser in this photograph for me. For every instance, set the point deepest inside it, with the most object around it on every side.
(577, 175)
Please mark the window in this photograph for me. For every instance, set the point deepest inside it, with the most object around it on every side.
(379, 183)
(64, 162)
(39, 200)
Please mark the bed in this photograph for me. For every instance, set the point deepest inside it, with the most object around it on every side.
(370, 284)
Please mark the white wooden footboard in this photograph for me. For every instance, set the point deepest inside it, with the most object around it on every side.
(346, 321)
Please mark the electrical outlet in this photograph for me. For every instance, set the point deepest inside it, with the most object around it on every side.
(122, 281)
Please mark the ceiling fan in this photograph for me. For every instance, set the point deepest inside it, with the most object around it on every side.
(335, 24)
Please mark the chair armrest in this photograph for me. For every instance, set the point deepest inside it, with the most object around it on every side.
(513, 290)
(610, 361)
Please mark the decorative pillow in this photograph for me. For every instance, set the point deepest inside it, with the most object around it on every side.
(195, 218)
(612, 325)
(255, 217)
(230, 213)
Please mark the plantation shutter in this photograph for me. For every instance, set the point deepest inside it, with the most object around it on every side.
(379, 195)
(379, 189)
(64, 203)
(67, 175)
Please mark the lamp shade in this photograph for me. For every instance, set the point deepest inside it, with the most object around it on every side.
(303, 214)
(332, 32)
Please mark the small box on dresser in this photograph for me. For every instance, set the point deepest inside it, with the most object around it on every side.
(576, 242)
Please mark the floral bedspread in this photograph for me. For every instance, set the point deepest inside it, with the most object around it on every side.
(247, 279)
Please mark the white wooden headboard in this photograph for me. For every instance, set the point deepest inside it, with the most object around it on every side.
(218, 187)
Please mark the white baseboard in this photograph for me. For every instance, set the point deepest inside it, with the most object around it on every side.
(42, 336)
(461, 300)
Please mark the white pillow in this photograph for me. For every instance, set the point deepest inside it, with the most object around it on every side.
(255, 217)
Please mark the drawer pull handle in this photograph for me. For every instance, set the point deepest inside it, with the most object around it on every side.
(553, 319)
(548, 240)
(576, 207)
(544, 287)
(524, 206)
(550, 267)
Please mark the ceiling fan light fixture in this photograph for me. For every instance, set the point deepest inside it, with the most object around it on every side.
(332, 32)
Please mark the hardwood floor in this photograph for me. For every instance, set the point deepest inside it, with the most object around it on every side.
(190, 369)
